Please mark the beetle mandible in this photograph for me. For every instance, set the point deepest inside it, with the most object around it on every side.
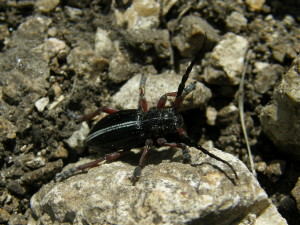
(122, 130)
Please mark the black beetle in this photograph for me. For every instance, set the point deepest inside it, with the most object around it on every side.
(122, 130)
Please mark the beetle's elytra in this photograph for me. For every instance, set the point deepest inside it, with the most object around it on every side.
(122, 130)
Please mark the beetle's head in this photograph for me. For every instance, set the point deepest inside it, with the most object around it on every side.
(171, 120)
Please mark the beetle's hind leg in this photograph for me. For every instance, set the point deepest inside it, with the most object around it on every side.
(107, 158)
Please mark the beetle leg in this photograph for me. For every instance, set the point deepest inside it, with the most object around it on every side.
(137, 171)
(185, 151)
(191, 143)
(163, 99)
(107, 158)
(186, 91)
(97, 112)
(142, 100)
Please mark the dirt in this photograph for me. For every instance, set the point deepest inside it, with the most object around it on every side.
(34, 66)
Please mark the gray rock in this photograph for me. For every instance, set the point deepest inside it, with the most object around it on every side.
(36, 162)
(211, 115)
(167, 193)
(275, 169)
(77, 140)
(282, 51)
(41, 103)
(228, 114)
(266, 76)
(74, 14)
(261, 167)
(52, 48)
(236, 22)
(148, 40)
(8, 129)
(167, 6)
(41, 174)
(84, 62)
(227, 60)
(120, 68)
(280, 118)
(156, 86)
(4, 33)
(4, 216)
(191, 31)
(142, 14)
(24, 72)
(255, 5)
(46, 6)
(17, 219)
(103, 44)
(296, 193)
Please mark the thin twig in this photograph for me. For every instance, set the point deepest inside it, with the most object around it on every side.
(241, 111)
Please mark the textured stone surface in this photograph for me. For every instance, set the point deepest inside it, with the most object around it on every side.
(190, 35)
(156, 86)
(142, 14)
(227, 60)
(236, 22)
(280, 118)
(255, 5)
(296, 193)
(167, 193)
(46, 6)
(266, 76)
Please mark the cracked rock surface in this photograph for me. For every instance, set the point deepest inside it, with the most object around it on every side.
(280, 118)
(168, 192)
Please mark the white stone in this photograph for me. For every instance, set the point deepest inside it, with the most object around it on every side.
(103, 43)
(229, 54)
(41, 103)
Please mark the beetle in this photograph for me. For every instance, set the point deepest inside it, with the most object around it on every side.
(122, 130)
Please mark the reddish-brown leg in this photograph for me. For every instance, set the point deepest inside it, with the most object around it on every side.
(107, 158)
(178, 100)
(137, 172)
(142, 100)
(97, 112)
(163, 99)
(185, 151)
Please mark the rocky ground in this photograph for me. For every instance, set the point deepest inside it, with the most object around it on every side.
(60, 60)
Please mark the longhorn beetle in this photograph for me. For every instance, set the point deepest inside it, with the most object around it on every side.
(122, 130)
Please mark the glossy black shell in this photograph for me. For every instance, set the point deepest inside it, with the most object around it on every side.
(120, 130)
(126, 129)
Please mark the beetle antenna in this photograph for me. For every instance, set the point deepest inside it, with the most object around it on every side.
(192, 143)
(185, 76)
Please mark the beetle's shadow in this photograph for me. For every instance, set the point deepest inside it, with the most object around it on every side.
(154, 157)
(232, 180)
(168, 154)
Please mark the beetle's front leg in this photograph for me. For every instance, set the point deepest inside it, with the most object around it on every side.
(185, 151)
(137, 171)
(163, 99)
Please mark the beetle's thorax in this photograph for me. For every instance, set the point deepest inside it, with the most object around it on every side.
(159, 122)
